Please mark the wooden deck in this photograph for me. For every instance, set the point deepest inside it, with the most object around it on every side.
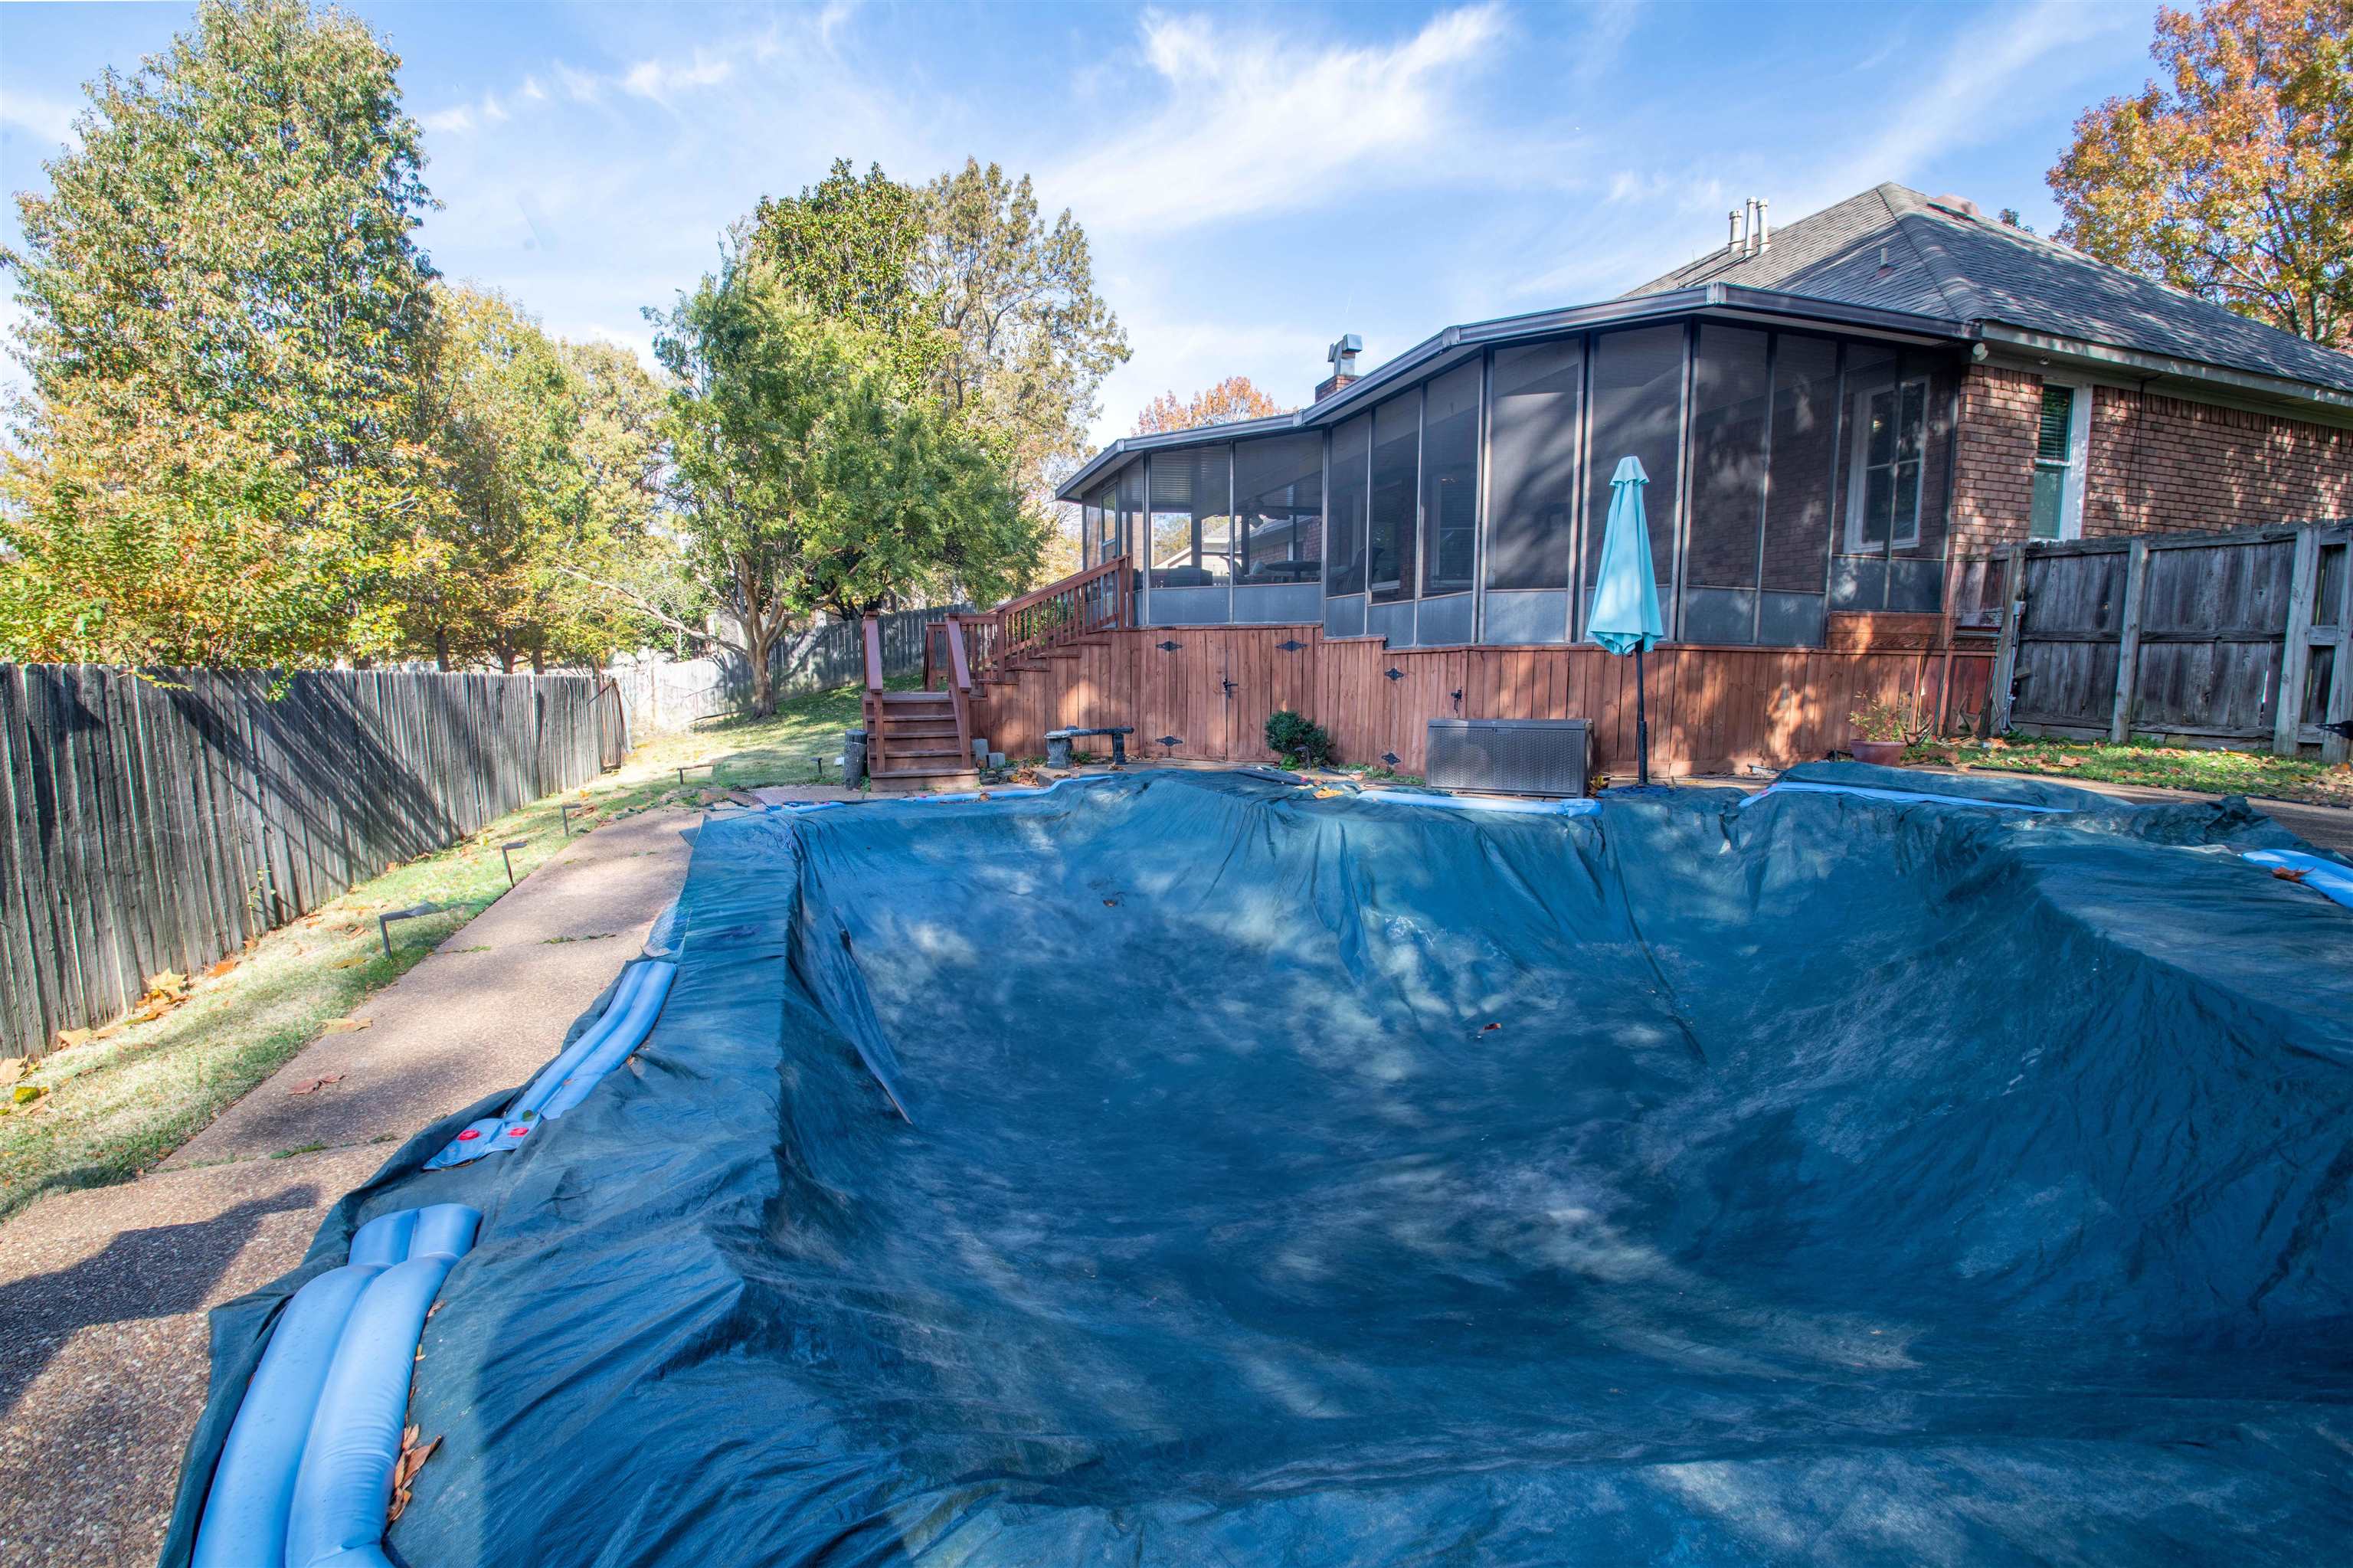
(1068, 656)
(1203, 693)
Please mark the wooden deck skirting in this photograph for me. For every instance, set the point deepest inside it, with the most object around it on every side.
(1203, 693)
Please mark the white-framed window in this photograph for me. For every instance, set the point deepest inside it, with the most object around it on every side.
(2060, 432)
(1883, 478)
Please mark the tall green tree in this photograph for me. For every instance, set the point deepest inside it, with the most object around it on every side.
(630, 535)
(909, 507)
(1030, 342)
(2231, 177)
(845, 248)
(971, 296)
(802, 477)
(503, 410)
(221, 316)
(552, 459)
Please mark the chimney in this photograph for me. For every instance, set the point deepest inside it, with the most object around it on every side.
(1343, 356)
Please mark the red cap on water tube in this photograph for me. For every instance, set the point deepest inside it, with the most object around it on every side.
(469, 1134)
(517, 1131)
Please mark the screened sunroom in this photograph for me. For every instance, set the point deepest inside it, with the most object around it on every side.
(1801, 456)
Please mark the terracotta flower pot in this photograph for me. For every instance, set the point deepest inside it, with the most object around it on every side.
(1883, 753)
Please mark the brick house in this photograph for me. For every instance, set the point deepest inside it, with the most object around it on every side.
(1834, 415)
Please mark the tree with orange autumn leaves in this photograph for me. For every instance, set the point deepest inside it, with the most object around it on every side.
(2231, 177)
(1235, 398)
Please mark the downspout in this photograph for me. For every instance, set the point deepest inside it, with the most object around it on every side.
(1952, 468)
(2140, 438)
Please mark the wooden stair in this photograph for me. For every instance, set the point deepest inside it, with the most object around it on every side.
(917, 740)
(923, 740)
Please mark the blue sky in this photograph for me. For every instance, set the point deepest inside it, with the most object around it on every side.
(1255, 180)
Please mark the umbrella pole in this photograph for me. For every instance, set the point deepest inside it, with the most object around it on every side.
(1641, 721)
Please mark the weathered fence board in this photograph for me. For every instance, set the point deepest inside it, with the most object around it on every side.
(157, 821)
(2223, 639)
(661, 696)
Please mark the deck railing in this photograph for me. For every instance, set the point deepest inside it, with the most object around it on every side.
(943, 638)
(1101, 598)
(959, 683)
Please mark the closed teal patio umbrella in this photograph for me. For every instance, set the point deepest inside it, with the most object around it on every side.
(1626, 591)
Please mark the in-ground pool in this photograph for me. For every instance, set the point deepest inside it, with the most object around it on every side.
(1191, 1167)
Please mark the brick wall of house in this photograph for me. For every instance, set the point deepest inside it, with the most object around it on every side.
(2164, 463)
(1993, 467)
(2154, 463)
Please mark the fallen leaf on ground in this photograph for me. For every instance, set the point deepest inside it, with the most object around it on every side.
(220, 969)
(315, 1085)
(164, 991)
(69, 1038)
(25, 1093)
(349, 963)
(413, 1456)
(2288, 873)
(345, 1026)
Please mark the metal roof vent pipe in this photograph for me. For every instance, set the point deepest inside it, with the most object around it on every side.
(1763, 228)
(1735, 241)
(1343, 357)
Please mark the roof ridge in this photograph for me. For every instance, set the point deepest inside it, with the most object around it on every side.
(1928, 217)
(1911, 221)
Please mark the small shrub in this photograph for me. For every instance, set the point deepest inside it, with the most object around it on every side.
(1884, 720)
(1302, 743)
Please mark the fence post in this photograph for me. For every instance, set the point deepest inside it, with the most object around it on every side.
(2128, 642)
(2296, 650)
(2005, 658)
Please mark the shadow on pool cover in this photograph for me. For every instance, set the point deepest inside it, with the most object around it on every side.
(1322, 1182)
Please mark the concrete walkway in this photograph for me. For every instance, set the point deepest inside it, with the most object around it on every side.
(103, 1293)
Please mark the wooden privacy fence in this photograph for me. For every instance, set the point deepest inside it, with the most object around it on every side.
(1203, 693)
(2234, 639)
(157, 824)
(832, 654)
(658, 695)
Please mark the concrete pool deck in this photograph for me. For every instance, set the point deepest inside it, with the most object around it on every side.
(107, 1289)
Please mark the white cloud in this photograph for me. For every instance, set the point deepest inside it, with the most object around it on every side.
(1995, 76)
(580, 86)
(1970, 101)
(660, 80)
(654, 79)
(1260, 123)
(47, 119)
(1608, 25)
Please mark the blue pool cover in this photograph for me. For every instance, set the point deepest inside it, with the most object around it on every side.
(1189, 1169)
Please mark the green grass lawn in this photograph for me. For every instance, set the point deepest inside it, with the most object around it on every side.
(110, 1107)
(2160, 767)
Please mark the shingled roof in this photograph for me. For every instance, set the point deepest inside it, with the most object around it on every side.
(1894, 249)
